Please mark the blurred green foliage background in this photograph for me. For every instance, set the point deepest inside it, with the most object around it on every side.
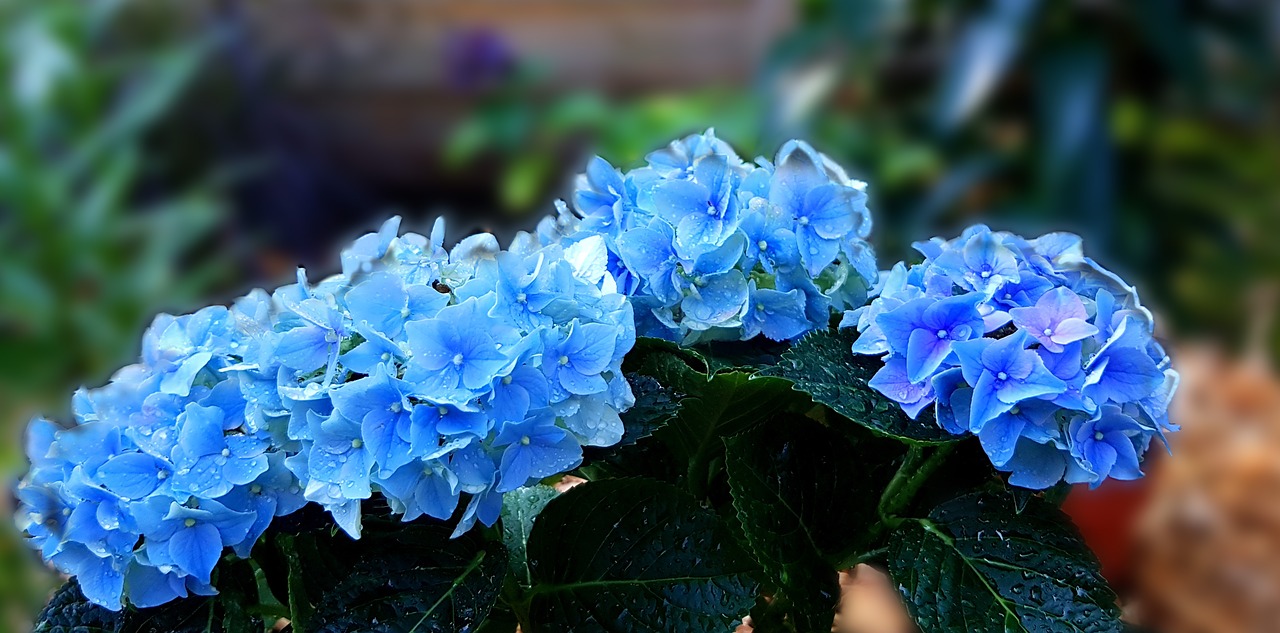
(92, 231)
(158, 156)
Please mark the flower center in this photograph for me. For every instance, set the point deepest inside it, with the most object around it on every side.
(331, 337)
(942, 334)
(506, 380)
(1097, 435)
(443, 411)
(525, 440)
(564, 360)
(255, 489)
(522, 297)
(189, 523)
(804, 221)
(457, 360)
(386, 356)
(404, 312)
(1002, 376)
(986, 274)
(1048, 331)
(396, 407)
(226, 452)
(357, 443)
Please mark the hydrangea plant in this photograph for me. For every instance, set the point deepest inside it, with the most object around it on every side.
(706, 342)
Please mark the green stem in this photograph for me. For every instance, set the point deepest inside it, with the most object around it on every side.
(915, 470)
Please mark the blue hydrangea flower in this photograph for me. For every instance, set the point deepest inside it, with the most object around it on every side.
(823, 212)
(603, 197)
(381, 405)
(399, 377)
(894, 381)
(1048, 343)
(982, 265)
(384, 304)
(778, 315)
(338, 463)
(316, 340)
(703, 228)
(148, 586)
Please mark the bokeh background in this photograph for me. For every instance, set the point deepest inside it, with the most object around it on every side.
(163, 155)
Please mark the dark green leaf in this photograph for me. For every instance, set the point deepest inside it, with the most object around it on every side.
(726, 405)
(634, 554)
(752, 355)
(977, 564)
(501, 620)
(671, 365)
(519, 507)
(655, 406)
(823, 366)
(639, 454)
(647, 458)
(398, 577)
(714, 405)
(803, 498)
(70, 612)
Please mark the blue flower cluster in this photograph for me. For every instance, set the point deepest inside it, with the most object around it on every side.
(1043, 354)
(418, 373)
(709, 247)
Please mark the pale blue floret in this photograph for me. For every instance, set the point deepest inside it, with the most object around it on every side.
(574, 360)
(703, 210)
(1104, 445)
(458, 353)
(533, 449)
(384, 304)
(1002, 373)
(925, 330)
(823, 212)
(422, 487)
(210, 462)
(381, 405)
(190, 540)
(1057, 319)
